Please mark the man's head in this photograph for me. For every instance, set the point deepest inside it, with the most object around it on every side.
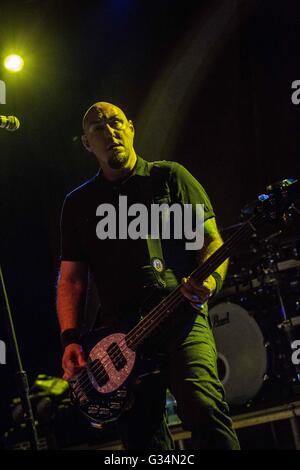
(108, 134)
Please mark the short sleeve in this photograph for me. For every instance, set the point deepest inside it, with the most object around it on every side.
(189, 191)
(71, 247)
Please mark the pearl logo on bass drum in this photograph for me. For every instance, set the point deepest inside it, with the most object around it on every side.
(220, 321)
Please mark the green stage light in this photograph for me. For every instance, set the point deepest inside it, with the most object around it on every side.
(13, 63)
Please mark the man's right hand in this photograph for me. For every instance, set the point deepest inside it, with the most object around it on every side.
(73, 360)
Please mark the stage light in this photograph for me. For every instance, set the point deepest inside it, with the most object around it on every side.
(13, 63)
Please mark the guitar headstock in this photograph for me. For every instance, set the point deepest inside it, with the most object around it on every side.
(277, 204)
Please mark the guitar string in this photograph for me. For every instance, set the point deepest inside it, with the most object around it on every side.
(153, 314)
(159, 307)
(118, 356)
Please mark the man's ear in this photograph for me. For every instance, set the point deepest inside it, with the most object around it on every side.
(85, 143)
(131, 126)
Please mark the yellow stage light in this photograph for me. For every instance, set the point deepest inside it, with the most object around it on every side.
(13, 63)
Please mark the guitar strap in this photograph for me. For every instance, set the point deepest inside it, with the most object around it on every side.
(148, 193)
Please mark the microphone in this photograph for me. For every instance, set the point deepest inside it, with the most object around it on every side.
(10, 123)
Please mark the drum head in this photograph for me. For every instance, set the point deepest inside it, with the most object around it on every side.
(242, 356)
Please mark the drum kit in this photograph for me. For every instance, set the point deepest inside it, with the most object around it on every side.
(256, 319)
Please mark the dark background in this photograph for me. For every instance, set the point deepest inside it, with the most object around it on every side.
(207, 83)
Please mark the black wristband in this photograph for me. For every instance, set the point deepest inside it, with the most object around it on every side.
(69, 336)
(219, 281)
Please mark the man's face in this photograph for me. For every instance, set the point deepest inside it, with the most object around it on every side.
(108, 134)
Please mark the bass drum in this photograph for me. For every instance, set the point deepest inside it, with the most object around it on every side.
(242, 354)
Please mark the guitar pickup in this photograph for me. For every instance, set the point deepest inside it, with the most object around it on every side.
(99, 373)
(117, 357)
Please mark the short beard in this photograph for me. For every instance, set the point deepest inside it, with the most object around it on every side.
(118, 161)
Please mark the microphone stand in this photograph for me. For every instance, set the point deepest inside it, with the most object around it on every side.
(11, 124)
(20, 374)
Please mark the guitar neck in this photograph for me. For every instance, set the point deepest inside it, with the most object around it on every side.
(164, 309)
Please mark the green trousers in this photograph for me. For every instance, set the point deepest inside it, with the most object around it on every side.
(189, 370)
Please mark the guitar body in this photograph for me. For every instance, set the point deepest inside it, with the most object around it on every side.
(103, 390)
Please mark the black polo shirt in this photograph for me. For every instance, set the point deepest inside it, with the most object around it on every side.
(118, 265)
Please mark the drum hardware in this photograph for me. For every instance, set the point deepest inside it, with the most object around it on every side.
(254, 362)
(265, 258)
(287, 325)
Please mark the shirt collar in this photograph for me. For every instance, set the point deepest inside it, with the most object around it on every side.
(141, 168)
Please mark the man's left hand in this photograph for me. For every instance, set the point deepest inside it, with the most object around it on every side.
(196, 293)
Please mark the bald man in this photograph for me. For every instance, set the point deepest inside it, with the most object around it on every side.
(124, 277)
